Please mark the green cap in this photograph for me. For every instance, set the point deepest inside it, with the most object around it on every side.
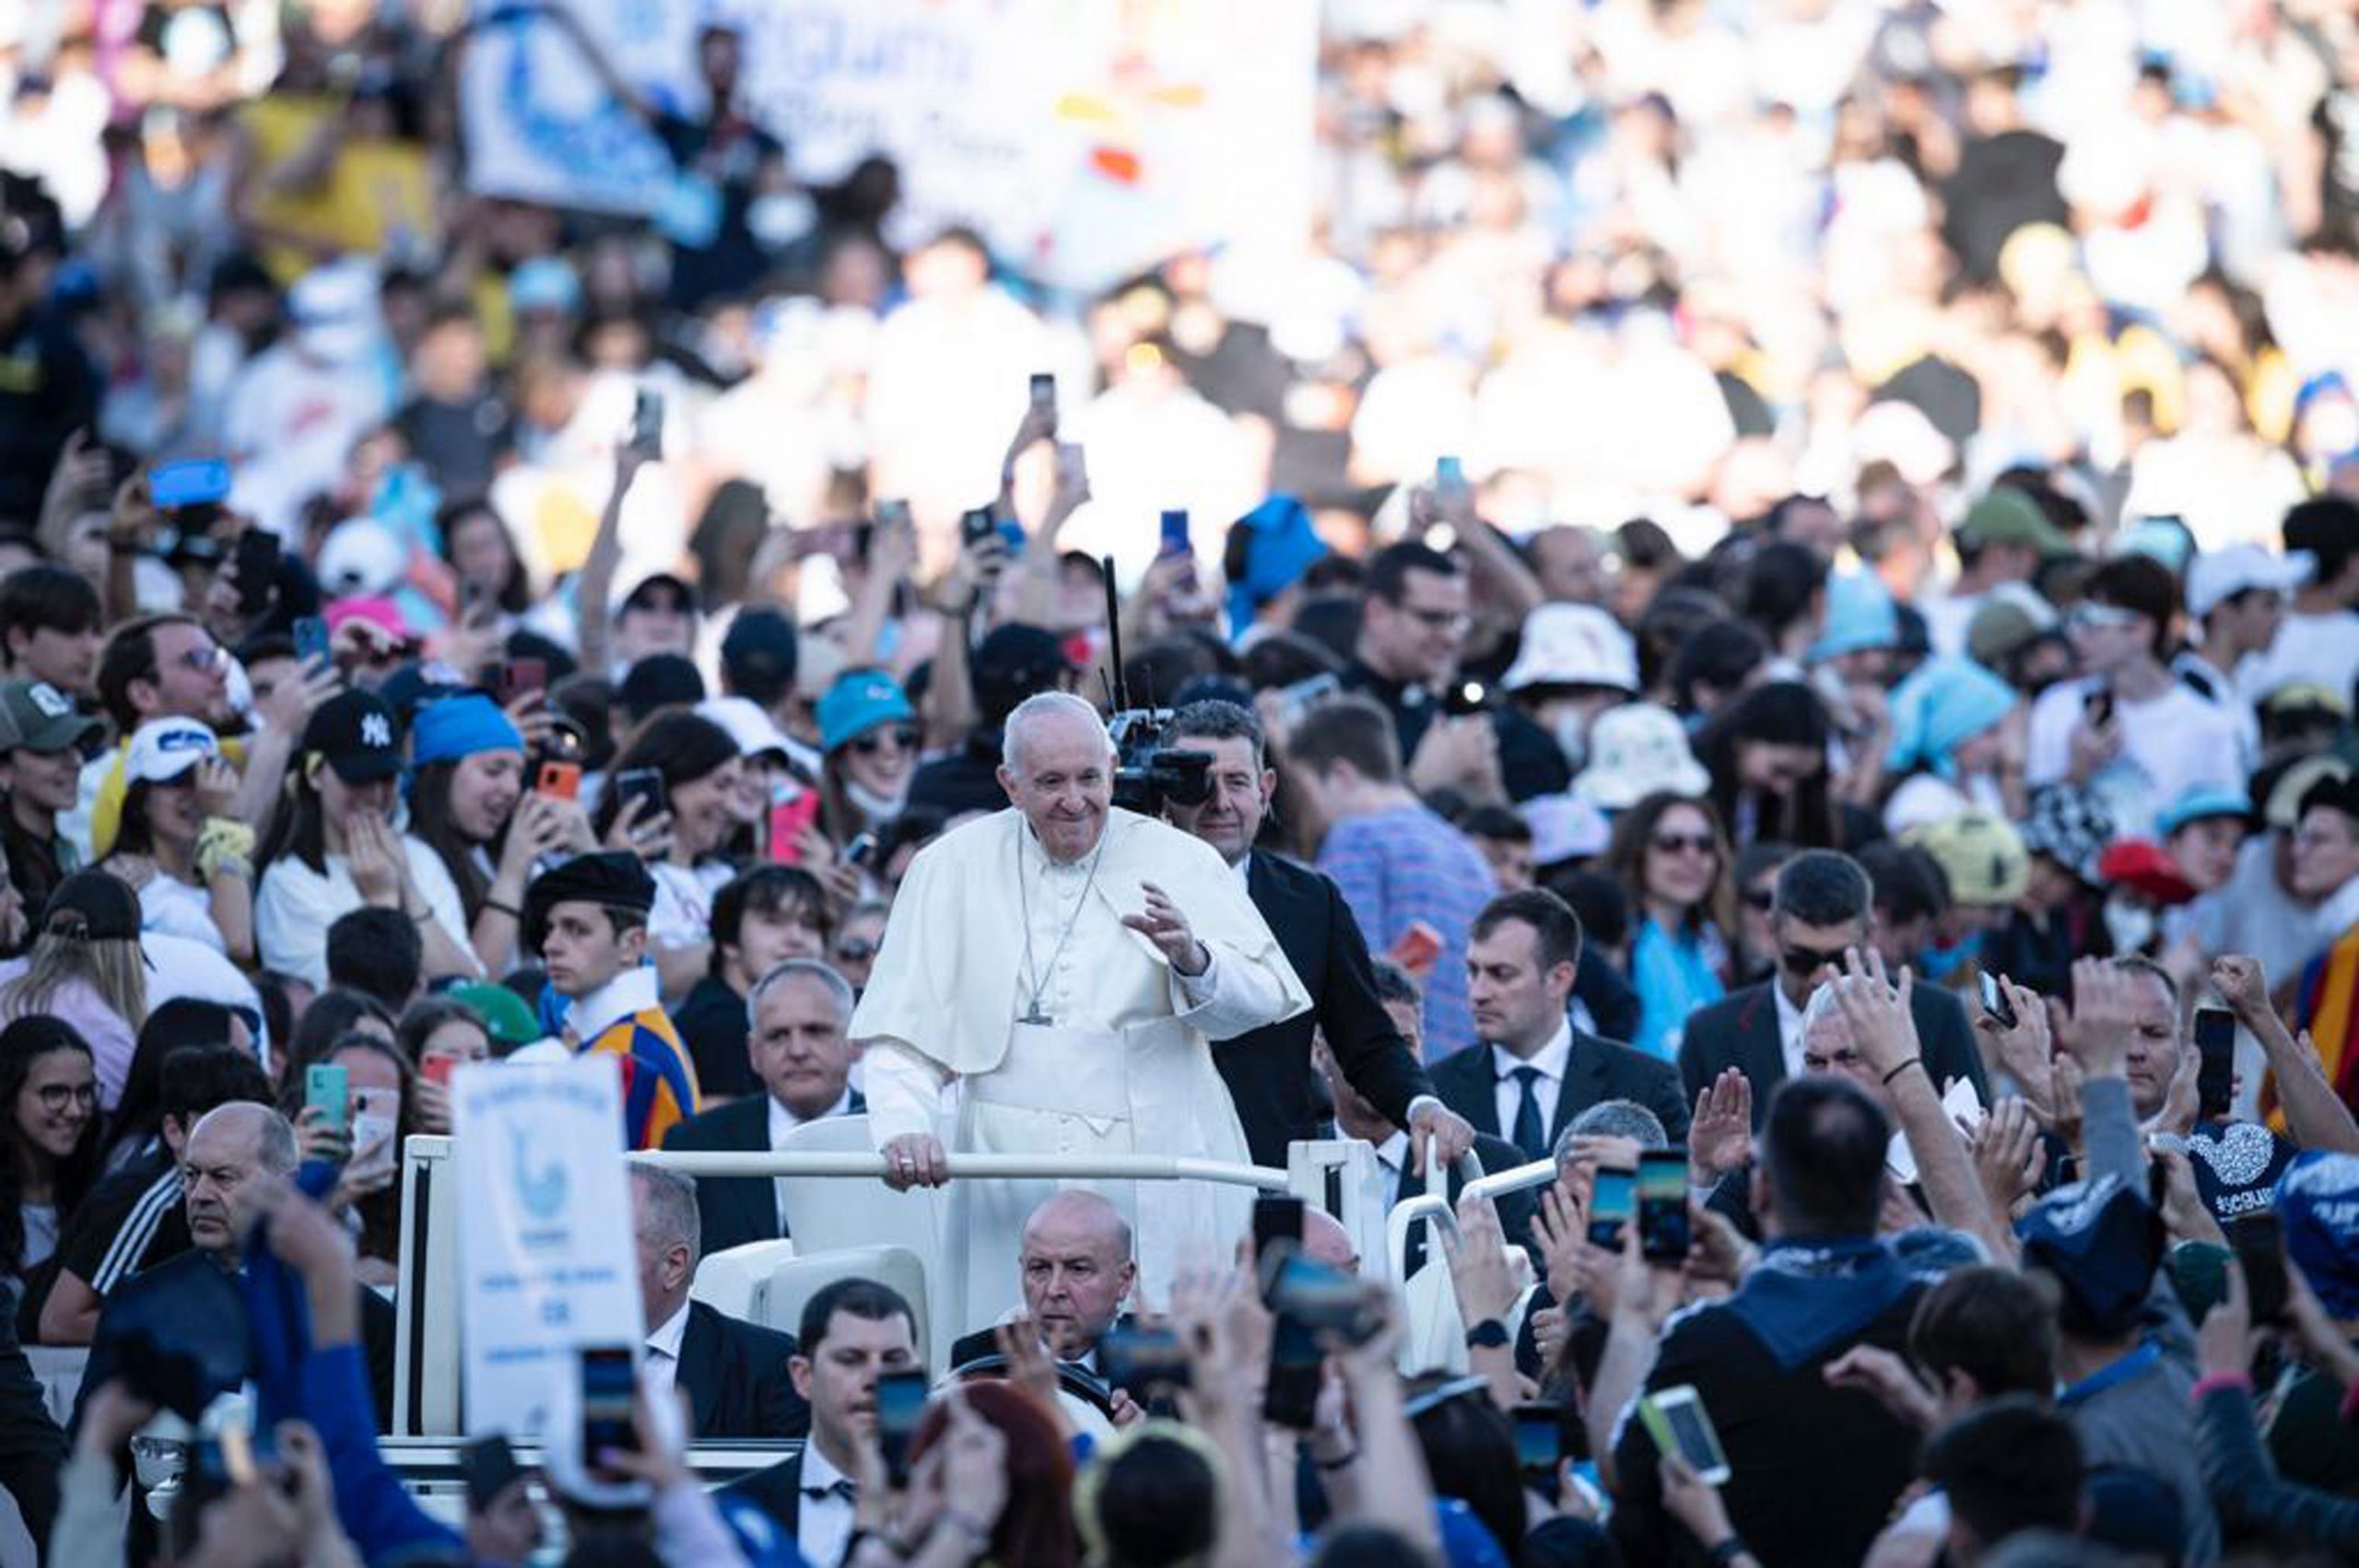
(2007, 516)
(505, 1017)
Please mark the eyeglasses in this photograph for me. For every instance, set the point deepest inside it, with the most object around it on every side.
(1672, 843)
(1803, 961)
(204, 661)
(57, 1096)
(1760, 900)
(873, 741)
(856, 949)
(2090, 616)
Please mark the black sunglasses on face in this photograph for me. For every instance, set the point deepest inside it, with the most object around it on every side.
(1803, 961)
(1672, 843)
(873, 741)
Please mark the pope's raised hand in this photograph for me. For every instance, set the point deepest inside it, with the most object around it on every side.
(1164, 925)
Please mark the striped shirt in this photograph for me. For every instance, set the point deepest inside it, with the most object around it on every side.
(623, 1019)
(131, 1221)
(1405, 864)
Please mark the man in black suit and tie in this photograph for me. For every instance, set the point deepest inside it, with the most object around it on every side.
(1268, 1071)
(799, 1012)
(1076, 1269)
(1535, 1071)
(734, 1372)
(1824, 904)
(852, 1332)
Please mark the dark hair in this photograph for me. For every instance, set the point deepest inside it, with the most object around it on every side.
(766, 890)
(915, 827)
(42, 597)
(1994, 1325)
(1470, 1453)
(1781, 713)
(197, 1079)
(1363, 1545)
(296, 827)
(426, 1015)
(515, 594)
(331, 1013)
(1035, 1527)
(2328, 527)
(1720, 654)
(377, 952)
(1598, 900)
(431, 824)
(381, 1212)
(1556, 929)
(134, 835)
(2009, 1465)
(1389, 568)
(681, 745)
(1823, 887)
(1350, 729)
(1281, 659)
(1395, 984)
(2142, 585)
(1634, 830)
(1779, 584)
(22, 1043)
(178, 1024)
(130, 655)
(863, 1299)
(1907, 880)
(1491, 820)
(1158, 1503)
(1215, 720)
(1822, 1150)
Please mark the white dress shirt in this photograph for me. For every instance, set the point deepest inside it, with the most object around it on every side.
(664, 1351)
(823, 1524)
(1789, 1031)
(783, 1121)
(1552, 1059)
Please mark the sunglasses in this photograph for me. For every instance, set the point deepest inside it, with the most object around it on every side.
(1672, 843)
(1803, 961)
(57, 1096)
(856, 949)
(873, 741)
(203, 660)
(1760, 900)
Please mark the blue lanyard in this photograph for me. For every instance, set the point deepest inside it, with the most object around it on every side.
(2136, 1363)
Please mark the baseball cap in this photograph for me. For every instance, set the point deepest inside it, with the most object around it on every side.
(753, 731)
(2199, 801)
(659, 680)
(2221, 575)
(1015, 661)
(94, 907)
(859, 702)
(759, 655)
(2007, 516)
(37, 717)
(163, 749)
(2010, 617)
(1573, 645)
(354, 730)
(505, 1017)
(1981, 856)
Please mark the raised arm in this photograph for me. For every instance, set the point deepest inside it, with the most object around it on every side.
(2314, 1114)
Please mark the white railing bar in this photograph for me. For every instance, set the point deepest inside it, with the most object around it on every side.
(1106, 1167)
(1539, 1172)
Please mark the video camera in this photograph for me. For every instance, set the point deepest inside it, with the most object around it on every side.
(1147, 773)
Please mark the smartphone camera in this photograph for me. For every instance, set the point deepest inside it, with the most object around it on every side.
(1664, 1231)
(900, 1400)
(608, 1382)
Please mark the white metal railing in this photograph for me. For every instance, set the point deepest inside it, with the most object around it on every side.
(1433, 1207)
(973, 1167)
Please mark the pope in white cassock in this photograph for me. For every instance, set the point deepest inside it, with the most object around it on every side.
(1065, 964)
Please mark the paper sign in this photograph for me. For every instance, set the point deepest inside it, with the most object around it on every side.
(546, 1259)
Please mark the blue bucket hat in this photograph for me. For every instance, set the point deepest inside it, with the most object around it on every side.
(2201, 801)
(461, 726)
(1943, 702)
(1861, 614)
(2101, 1241)
(1278, 545)
(2317, 1203)
(859, 702)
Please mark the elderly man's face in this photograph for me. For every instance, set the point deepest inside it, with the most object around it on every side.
(1827, 1048)
(798, 1047)
(223, 1155)
(1061, 779)
(1074, 1276)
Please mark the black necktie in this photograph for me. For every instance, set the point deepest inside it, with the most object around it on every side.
(840, 1487)
(1531, 1134)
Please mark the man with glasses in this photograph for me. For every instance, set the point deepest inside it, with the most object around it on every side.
(1824, 906)
(1414, 620)
(2127, 727)
(157, 667)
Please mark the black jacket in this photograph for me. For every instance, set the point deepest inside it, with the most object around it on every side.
(711, 1020)
(777, 1491)
(1599, 1070)
(735, 1378)
(733, 1210)
(1741, 1031)
(1268, 1071)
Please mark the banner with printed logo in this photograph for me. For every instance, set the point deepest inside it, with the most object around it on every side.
(1081, 138)
(545, 1260)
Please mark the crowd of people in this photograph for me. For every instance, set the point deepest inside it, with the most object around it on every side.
(1765, 617)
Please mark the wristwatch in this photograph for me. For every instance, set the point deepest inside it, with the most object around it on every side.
(1488, 1335)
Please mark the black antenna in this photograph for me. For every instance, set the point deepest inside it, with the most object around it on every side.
(1118, 687)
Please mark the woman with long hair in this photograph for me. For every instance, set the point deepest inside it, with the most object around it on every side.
(332, 846)
(1766, 752)
(84, 968)
(870, 734)
(380, 1115)
(700, 768)
(476, 543)
(1036, 1525)
(469, 804)
(177, 844)
(49, 1125)
(1669, 851)
(135, 1125)
(440, 1035)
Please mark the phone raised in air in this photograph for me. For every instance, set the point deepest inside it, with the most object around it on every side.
(2259, 1243)
(1276, 1218)
(2215, 1049)
(256, 559)
(608, 1382)
(644, 785)
(327, 1086)
(1174, 539)
(311, 635)
(1677, 1420)
(194, 482)
(1995, 1002)
(900, 1400)
(1665, 1231)
(1613, 1202)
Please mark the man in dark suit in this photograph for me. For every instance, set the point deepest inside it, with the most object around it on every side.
(1535, 1071)
(1268, 1071)
(1824, 906)
(734, 1372)
(800, 1011)
(852, 1332)
(1076, 1269)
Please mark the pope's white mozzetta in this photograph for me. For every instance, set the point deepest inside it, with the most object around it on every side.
(1095, 1044)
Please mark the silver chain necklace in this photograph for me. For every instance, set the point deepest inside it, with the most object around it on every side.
(1037, 978)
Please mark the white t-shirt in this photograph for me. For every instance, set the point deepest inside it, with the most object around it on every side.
(172, 907)
(2316, 650)
(683, 912)
(295, 907)
(2169, 743)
